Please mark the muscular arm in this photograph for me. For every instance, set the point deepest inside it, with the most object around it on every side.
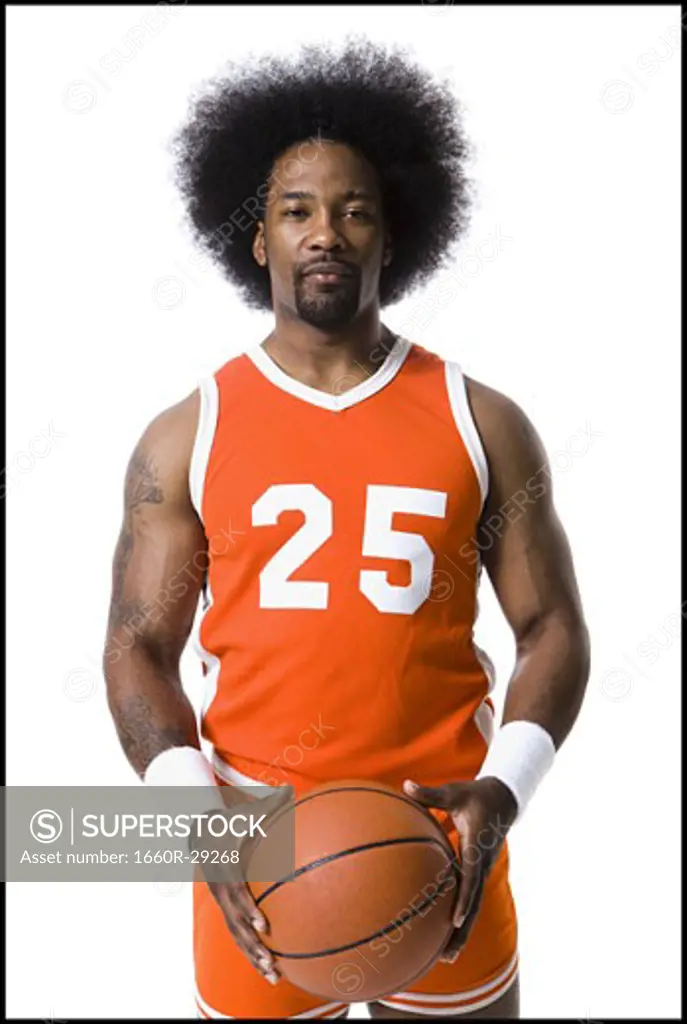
(157, 575)
(527, 556)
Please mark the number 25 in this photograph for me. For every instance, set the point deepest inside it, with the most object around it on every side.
(379, 540)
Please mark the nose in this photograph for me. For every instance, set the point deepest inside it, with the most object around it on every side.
(324, 235)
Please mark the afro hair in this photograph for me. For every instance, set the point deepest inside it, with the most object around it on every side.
(375, 100)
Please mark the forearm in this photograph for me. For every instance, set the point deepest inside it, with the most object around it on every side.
(550, 675)
(152, 713)
(150, 709)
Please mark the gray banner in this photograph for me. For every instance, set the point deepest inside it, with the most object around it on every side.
(146, 833)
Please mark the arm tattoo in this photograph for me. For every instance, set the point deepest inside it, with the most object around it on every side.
(157, 715)
(141, 482)
(141, 487)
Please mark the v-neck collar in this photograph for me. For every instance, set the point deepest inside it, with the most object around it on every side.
(393, 361)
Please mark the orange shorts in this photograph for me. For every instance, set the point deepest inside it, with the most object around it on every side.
(227, 984)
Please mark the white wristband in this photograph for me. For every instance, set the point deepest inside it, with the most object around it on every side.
(185, 766)
(520, 755)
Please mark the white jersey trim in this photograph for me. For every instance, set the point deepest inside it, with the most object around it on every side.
(488, 666)
(462, 414)
(212, 662)
(205, 435)
(484, 720)
(200, 456)
(480, 990)
(228, 773)
(393, 361)
(460, 1002)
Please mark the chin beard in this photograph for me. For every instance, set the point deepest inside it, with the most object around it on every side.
(328, 309)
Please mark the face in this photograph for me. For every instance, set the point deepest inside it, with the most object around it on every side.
(323, 210)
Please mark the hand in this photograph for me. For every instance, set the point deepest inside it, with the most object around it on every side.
(244, 919)
(483, 811)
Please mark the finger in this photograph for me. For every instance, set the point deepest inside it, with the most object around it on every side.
(261, 958)
(245, 901)
(237, 908)
(459, 936)
(452, 951)
(430, 796)
(283, 800)
(279, 795)
(278, 801)
(288, 793)
(447, 954)
(471, 865)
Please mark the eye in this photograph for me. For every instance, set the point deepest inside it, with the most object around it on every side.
(358, 213)
(294, 212)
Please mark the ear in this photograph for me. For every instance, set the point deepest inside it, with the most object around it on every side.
(258, 247)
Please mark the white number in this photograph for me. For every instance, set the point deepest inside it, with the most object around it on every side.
(276, 590)
(379, 541)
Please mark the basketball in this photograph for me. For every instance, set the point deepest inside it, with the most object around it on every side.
(368, 906)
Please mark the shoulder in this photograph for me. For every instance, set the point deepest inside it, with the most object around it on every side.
(494, 412)
(165, 447)
(511, 443)
(174, 429)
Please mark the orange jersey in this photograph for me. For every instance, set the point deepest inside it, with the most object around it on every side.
(338, 638)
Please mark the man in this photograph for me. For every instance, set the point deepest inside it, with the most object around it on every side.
(346, 486)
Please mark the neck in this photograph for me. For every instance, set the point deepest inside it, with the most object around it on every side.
(329, 361)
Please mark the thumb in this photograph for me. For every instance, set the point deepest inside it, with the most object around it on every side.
(278, 800)
(270, 807)
(431, 796)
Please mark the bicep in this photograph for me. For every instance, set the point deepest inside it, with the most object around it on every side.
(528, 559)
(160, 557)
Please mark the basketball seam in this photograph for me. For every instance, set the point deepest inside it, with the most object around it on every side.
(359, 942)
(370, 789)
(345, 853)
(441, 840)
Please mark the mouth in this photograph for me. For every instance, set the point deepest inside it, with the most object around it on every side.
(329, 273)
(331, 277)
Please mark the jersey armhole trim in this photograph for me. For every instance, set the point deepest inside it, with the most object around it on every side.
(462, 414)
(205, 435)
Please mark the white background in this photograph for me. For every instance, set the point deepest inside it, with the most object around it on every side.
(574, 115)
